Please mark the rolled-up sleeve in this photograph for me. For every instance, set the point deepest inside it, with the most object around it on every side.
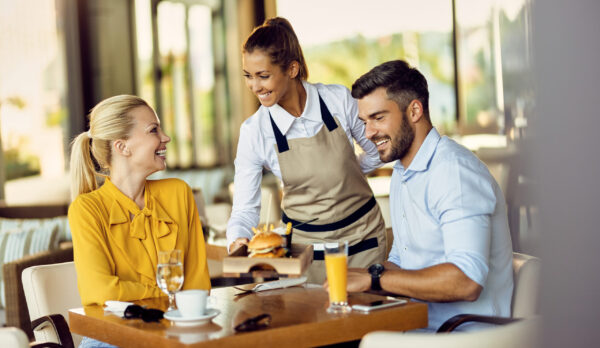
(247, 180)
(463, 203)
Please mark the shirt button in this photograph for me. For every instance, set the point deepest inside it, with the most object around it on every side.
(403, 216)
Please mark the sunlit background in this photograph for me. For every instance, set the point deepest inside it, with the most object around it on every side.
(58, 58)
(475, 55)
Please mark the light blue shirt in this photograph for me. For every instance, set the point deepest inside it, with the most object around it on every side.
(446, 207)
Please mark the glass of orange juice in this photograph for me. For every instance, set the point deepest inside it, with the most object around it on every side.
(336, 264)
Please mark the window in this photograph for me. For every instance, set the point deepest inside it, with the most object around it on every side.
(342, 40)
(494, 63)
(180, 78)
(33, 107)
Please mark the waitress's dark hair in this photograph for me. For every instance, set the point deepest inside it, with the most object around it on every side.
(277, 38)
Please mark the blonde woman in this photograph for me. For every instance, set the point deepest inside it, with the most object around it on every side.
(119, 228)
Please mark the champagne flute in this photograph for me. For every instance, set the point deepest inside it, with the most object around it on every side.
(169, 274)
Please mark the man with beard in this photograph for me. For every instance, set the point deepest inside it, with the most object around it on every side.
(452, 246)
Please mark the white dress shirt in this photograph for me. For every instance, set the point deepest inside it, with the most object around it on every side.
(256, 147)
(446, 207)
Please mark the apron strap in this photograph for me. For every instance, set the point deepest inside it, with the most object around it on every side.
(360, 212)
(326, 115)
(282, 143)
(363, 245)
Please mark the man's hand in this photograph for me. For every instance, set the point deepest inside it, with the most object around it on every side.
(237, 243)
(359, 280)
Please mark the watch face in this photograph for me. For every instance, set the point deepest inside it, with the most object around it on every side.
(376, 269)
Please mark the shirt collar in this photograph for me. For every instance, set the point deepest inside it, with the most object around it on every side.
(123, 204)
(423, 156)
(312, 110)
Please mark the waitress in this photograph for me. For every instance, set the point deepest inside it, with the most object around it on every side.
(304, 134)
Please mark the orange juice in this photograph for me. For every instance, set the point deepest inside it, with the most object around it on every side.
(337, 277)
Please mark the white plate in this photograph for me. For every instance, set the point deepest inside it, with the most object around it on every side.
(176, 317)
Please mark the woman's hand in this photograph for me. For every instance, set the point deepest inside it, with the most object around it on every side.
(237, 243)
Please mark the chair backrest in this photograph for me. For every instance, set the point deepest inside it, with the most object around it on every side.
(521, 334)
(51, 289)
(17, 313)
(13, 337)
(527, 271)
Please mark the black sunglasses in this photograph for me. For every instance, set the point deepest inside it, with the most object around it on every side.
(255, 323)
(148, 315)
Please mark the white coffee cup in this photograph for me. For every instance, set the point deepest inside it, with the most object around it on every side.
(191, 303)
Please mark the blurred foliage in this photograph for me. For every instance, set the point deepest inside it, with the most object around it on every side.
(344, 61)
(18, 164)
(56, 117)
(15, 101)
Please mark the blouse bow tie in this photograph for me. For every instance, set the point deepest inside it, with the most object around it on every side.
(140, 224)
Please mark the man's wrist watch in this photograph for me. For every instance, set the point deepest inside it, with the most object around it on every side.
(376, 270)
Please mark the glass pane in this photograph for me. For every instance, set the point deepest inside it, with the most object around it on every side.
(175, 104)
(480, 98)
(203, 81)
(517, 76)
(143, 29)
(341, 43)
(33, 111)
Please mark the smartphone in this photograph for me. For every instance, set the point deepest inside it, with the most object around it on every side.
(375, 305)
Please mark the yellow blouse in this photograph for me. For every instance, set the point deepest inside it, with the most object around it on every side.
(116, 244)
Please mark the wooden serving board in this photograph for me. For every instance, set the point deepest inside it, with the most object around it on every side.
(238, 264)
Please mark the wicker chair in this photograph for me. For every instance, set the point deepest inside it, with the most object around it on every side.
(17, 314)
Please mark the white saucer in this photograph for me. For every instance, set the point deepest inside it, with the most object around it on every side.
(176, 317)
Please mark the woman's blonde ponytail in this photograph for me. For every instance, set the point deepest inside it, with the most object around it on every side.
(83, 173)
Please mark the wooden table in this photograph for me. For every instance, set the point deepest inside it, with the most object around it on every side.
(299, 318)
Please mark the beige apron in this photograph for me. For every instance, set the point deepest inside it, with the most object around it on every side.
(323, 179)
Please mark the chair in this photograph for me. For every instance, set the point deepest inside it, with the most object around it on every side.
(16, 307)
(521, 334)
(17, 314)
(517, 331)
(526, 270)
(13, 337)
(52, 289)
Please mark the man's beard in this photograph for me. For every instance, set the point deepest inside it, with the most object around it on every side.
(401, 142)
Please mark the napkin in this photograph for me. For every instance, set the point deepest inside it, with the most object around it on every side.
(278, 284)
(116, 307)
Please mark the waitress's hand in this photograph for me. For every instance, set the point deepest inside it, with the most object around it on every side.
(237, 243)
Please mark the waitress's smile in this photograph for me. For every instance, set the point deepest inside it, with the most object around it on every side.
(263, 96)
(266, 80)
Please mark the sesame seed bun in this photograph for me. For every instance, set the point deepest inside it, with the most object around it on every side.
(266, 245)
(265, 240)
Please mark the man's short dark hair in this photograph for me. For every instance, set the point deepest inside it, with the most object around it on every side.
(402, 82)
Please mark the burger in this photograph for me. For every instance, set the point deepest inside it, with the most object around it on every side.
(266, 245)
